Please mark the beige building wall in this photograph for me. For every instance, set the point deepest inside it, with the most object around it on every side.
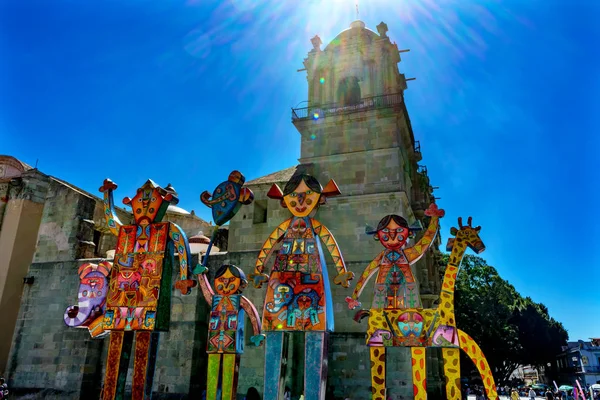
(17, 242)
(22, 194)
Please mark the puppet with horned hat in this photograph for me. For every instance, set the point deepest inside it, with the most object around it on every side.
(298, 289)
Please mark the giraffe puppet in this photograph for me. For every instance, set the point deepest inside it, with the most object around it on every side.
(138, 299)
(419, 328)
(298, 291)
(396, 289)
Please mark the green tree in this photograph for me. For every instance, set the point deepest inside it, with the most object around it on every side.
(540, 335)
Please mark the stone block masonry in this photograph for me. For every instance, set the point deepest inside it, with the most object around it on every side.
(45, 354)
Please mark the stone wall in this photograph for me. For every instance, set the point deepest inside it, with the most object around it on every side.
(64, 229)
(46, 354)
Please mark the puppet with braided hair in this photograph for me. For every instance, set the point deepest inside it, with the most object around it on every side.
(298, 289)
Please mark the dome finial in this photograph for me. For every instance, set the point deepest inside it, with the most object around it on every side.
(316, 42)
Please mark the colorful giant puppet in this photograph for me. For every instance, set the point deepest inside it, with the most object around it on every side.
(227, 198)
(394, 320)
(89, 311)
(298, 290)
(139, 291)
(225, 341)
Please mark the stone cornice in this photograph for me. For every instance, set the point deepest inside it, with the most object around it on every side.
(340, 156)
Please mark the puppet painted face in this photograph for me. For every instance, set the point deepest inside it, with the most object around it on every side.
(302, 201)
(393, 236)
(145, 204)
(227, 284)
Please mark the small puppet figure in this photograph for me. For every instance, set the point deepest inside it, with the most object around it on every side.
(298, 289)
(225, 341)
(395, 285)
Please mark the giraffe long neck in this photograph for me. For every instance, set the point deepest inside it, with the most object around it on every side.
(447, 296)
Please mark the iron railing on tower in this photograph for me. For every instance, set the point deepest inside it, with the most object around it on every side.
(319, 111)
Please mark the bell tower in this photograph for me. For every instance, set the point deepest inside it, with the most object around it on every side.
(356, 130)
(357, 64)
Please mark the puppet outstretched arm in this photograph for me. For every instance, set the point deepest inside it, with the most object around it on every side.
(205, 287)
(258, 277)
(183, 252)
(344, 276)
(362, 281)
(110, 216)
(414, 253)
(252, 314)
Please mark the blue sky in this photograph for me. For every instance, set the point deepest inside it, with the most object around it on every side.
(505, 105)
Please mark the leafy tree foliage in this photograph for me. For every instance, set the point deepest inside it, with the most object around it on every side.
(511, 330)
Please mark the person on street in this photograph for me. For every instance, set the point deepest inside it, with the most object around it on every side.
(514, 394)
(549, 395)
(532, 394)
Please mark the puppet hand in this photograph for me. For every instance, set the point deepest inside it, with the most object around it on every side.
(259, 279)
(258, 340)
(344, 278)
(434, 211)
(185, 286)
(107, 186)
(352, 303)
(360, 314)
(199, 269)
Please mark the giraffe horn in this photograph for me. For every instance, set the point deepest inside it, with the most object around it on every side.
(460, 225)
(469, 221)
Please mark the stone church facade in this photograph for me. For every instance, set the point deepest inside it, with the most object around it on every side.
(355, 129)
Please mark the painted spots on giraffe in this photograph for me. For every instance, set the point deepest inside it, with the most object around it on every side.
(453, 393)
(378, 380)
(382, 357)
(379, 369)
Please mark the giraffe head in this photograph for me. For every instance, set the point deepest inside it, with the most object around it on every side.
(468, 235)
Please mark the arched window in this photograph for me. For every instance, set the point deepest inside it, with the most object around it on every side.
(348, 92)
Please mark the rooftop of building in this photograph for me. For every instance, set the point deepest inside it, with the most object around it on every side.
(10, 160)
(356, 32)
(280, 176)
